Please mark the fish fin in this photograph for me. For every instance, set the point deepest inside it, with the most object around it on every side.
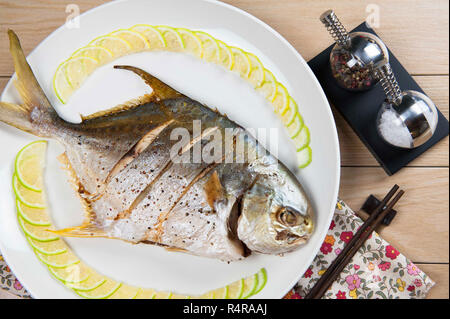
(161, 90)
(82, 231)
(16, 115)
(27, 84)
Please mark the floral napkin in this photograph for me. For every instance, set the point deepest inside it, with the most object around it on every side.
(378, 270)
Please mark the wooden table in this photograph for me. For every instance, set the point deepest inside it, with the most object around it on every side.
(416, 32)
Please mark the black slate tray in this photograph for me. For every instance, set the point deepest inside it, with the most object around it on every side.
(360, 110)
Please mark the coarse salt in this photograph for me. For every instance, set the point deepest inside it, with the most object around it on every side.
(393, 130)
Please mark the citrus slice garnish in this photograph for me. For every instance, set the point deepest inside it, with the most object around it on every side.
(145, 294)
(226, 57)
(304, 157)
(250, 285)
(257, 74)
(38, 233)
(242, 63)
(78, 69)
(221, 293)
(210, 47)
(173, 39)
(93, 281)
(262, 280)
(236, 289)
(54, 247)
(29, 163)
(288, 116)
(33, 216)
(72, 274)
(125, 292)
(192, 43)
(177, 296)
(117, 46)
(101, 54)
(163, 295)
(296, 126)
(137, 41)
(26, 196)
(302, 139)
(269, 86)
(153, 35)
(281, 100)
(60, 260)
(61, 86)
(105, 290)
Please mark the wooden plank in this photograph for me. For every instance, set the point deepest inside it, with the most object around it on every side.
(296, 20)
(439, 273)
(421, 227)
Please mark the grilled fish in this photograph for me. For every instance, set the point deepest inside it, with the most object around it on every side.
(140, 183)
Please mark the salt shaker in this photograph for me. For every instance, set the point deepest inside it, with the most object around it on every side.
(354, 55)
(406, 119)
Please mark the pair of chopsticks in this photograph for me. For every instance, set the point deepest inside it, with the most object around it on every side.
(336, 267)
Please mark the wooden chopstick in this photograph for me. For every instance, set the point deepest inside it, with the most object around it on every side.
(354, 244)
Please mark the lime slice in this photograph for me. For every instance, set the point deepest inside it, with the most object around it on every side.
(145, 294)
(173, 39)
(250, 285)
(125, 292)
(54, 247)
(117, 46)
(73, 274)
(78, 69)
(28, 197)
(137, 41)
(154, 37)
(269, 86)
(107, 289)
(262, 280)
(29, 164)
(281, 100)
(226, 57)
(93, 281)
(38, 233)
(288, 116)
(242, 63)
(58, 261)
(101, 54)
(192, 43)
(33, 216)
(302, 139)
(176, 296)
(163, 295)
(207, 295)
(304, 157)
(61, 86)
(221, 293)
(236, 289)
(257, 74)
(296, 126)
(210, 47)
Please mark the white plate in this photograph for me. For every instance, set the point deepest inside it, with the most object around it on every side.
(149, 266)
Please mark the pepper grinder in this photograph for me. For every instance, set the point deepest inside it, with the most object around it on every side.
(354, 55)
(406, 119)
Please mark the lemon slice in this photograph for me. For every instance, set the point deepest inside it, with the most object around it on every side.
(28, 197)
(38, 233)
(137, 41)
(269, 86)
(288, 116)
(192, 43)
(125, 292)
(93, 281)
(281, 100)
(177, 296)
(302, 139)
(117, 46)
(304, 157)
(236, 289)
(101, 54)
(29, 163)
(71, 274)
(163, 295)
(59, 261)
(153, 35)
(262, 280)
(54, 247)
(61, 86)
(242, 63)
(210, 47)
(78, 69)
(173, 39)
(296, 126)
(33, 216)
(145, 294)
(221, 293)
(226, 57)
(107, 289)
(250, 285)
(257, 74)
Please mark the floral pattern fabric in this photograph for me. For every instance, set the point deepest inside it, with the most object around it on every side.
(378, 270)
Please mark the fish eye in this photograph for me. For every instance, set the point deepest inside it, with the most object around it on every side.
(288, 216)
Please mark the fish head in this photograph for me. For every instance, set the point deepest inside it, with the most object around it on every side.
(275, 216)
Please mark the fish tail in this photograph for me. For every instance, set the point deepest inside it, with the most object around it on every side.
(29, 89)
